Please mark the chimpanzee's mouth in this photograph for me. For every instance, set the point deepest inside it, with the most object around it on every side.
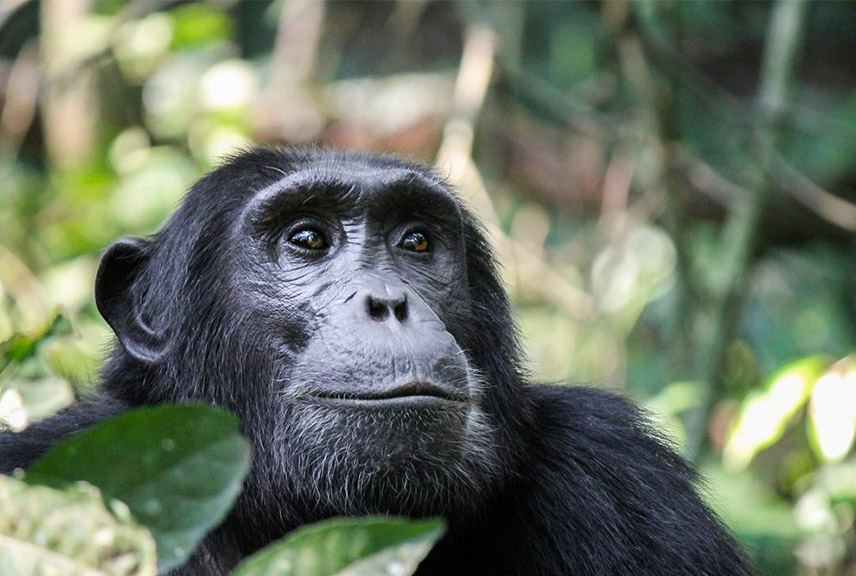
(412, 390)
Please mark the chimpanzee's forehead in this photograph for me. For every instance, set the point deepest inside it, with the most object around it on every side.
(363, 176)
(352, 185)
(357, 180)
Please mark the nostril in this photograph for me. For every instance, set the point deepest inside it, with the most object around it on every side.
(376, 309)
(400, 311)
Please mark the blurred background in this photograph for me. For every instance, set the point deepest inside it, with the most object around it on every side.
(670, 186)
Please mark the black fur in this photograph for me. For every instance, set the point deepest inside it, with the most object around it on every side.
(221, 305)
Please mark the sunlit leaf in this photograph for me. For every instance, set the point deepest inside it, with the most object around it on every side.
(49, 532)
(196, 25)
(832, 411)
(178, 468)
(348, 546)
(40, 396)
(764, 415)
(13, 415)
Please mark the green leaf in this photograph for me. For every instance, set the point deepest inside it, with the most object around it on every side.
(764, 415)
(832, 412)
(177, 467)
(348, 546)
(44, 531)
(21, 346)
(197, 25)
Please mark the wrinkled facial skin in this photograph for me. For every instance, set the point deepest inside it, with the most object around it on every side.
(360, 278)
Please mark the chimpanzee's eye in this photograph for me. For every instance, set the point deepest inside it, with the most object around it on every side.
(415, 241)
(309, 239)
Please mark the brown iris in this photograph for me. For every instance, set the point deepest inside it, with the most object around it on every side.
(308, 238)
(416, 242)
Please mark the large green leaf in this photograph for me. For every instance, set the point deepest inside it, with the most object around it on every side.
(348, 546)
(46, 532)
(177, 467)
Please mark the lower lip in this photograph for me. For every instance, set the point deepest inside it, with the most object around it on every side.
(397, 402)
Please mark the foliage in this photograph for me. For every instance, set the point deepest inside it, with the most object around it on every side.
(352, 546)
(177, 468)
(47, 531)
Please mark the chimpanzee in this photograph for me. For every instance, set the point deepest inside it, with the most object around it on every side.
(346, 308)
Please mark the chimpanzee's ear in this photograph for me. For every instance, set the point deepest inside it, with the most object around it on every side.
(118, 301)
